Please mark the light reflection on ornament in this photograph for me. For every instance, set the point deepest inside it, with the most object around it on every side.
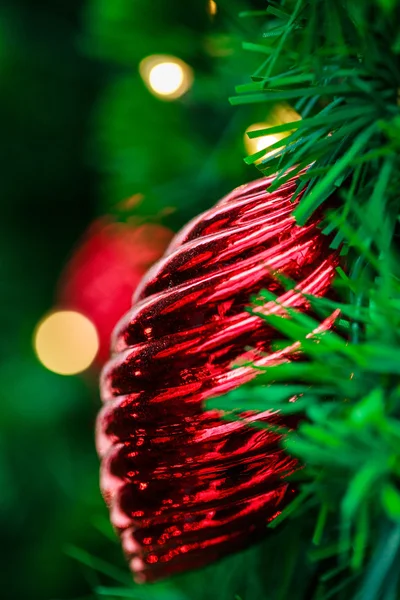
(66, 342)
(167, 77)
(281, 113)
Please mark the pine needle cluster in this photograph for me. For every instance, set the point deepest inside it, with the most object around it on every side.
(338, 64)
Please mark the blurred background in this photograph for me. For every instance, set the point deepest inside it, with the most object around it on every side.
(116, 130)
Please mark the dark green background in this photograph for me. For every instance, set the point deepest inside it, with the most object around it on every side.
(48, 467)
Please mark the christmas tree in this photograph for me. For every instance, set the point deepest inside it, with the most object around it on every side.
(315, 84)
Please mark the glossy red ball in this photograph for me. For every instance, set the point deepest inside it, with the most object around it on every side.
(104, 271)
(184, 487)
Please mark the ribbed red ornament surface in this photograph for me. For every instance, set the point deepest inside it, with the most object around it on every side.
(184, 487)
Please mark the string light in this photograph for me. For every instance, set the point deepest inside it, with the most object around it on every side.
(212, 8)
(167, 77)
(254, 145)
(282, 113)
(66, 342)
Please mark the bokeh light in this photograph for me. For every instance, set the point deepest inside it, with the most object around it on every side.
(281, 113)
(253, 145)
(66, 342)
(212, 8)
(105, 268)
(167, 77)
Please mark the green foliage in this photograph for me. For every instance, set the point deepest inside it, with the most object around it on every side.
(349, 431)
(339, 62)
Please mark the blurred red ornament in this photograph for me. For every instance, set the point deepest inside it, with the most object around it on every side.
(184, 487)
(105, 270)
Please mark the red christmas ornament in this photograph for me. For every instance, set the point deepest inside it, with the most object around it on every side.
(102, 275)
(184, 487)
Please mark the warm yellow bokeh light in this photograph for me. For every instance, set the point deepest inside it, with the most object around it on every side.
(265, 141)
(212, 8)
(281, 113)
(254, 145)
(167, 77)
(66, 342)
